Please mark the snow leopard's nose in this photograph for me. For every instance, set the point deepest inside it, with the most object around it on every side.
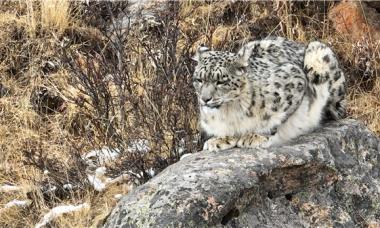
(207, 93)
(206, 99)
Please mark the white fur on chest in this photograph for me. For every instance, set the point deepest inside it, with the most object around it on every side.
(234, 122)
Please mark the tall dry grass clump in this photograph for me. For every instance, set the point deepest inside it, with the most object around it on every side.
(365, 105)
(30, 18)
(55, 14)
(75, 88)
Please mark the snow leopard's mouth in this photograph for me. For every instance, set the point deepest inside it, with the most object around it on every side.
(213, 105)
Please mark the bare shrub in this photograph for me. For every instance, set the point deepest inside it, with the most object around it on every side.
(138, 88)
(52, 188)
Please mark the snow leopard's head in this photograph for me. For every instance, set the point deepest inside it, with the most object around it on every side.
(219, 77)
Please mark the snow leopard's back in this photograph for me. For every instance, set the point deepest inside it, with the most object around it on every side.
(323, 97)
(318, 62)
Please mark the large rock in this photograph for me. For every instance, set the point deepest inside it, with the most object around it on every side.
(327, 178)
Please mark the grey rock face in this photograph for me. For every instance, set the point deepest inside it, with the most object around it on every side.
(327, 178)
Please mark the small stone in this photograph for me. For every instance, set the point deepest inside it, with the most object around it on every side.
(49, 67)
(4, 91)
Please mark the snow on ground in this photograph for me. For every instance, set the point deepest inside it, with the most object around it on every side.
(107, 155)
(100, 158)
(151, 172)
(15, 203)
(118, 196)
(58, 211)
(68, 186)
(9, 188)
(96, 182)
(100, 181)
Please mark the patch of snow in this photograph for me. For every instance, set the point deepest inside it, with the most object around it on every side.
(9, 188)
(16, 203)
(134, 174)
(181, 150)
(100, 182)
(101, 171)
(181, 147)
(96, 182)
(118, 196)
(68, 186)
(117, 179)
(99, 158)
(151, 172)
(58, 211)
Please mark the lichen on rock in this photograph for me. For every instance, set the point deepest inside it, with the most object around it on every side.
(327, 178)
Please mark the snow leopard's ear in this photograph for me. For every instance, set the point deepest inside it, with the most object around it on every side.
(200, 51)
(243, 57)
(240, 65)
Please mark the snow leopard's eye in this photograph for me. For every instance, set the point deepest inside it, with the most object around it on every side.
(241, 70)
(198, 80)
(220, 83)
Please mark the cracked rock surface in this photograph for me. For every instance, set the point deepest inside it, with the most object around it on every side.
(327, 178)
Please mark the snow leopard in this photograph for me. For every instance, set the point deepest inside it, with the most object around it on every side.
(268, 93)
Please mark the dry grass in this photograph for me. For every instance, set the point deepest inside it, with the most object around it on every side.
(364, 105)
(55, 14)
(31, 34)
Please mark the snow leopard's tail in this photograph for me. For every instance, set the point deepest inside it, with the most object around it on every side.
(321, 66)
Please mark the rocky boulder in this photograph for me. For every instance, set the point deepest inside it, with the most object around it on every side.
(327, 178)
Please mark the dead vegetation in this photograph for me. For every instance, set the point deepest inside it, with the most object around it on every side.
(69, 86)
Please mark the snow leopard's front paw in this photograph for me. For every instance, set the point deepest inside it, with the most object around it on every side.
(218, 144)
(251, 141)
(271, 142)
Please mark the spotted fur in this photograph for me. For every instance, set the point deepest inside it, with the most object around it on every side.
(272, 89)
